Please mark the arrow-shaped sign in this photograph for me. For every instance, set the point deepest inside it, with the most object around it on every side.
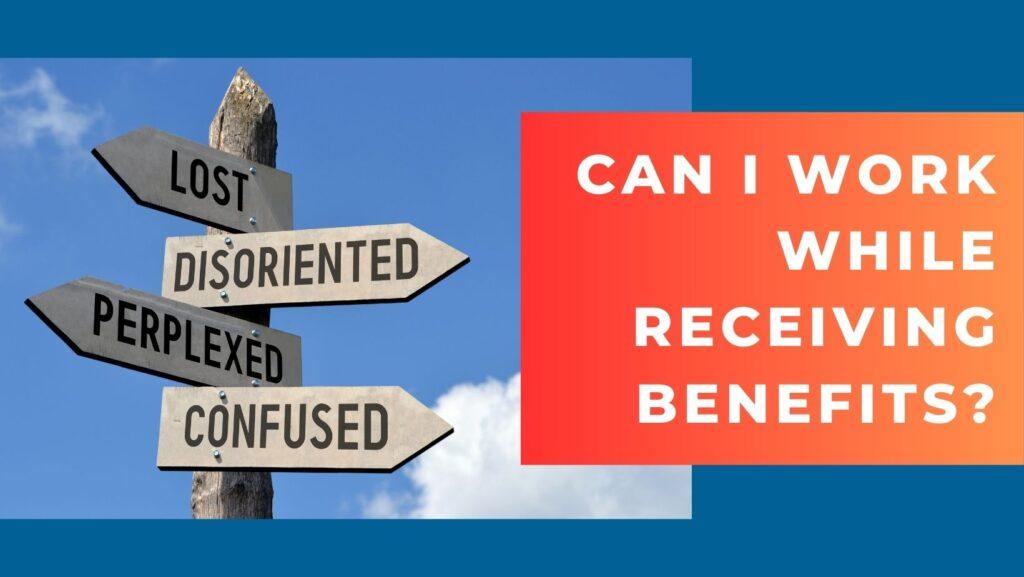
(103, 321)
(174, 175)
(294, 429)
(388, 262)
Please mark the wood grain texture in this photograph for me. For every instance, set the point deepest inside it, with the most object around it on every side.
(245, 125)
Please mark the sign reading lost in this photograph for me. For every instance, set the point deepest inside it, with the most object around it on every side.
(389, 262)
(302, 428)
(197, 182)
(159, 336)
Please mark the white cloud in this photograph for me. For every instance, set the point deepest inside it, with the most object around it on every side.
(36, 108)
(7, 229)
(385, 505)
(476, 472)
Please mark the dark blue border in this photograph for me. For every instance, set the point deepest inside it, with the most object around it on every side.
(785, 520)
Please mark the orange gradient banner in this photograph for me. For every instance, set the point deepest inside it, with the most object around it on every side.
(666, 321)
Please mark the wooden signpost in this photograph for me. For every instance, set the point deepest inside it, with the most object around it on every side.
(196, 182)
(294, 429)
(254, 417)
(381, 263)
(103, 321)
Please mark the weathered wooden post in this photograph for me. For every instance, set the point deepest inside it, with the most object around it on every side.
(244, 125)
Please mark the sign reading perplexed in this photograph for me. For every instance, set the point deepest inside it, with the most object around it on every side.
(145, 332)
(379, 263)
(174, 175)
(294, 429)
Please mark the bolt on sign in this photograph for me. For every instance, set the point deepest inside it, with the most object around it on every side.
(187, 179)
(379, 263)
(148, 333)
(294, 429)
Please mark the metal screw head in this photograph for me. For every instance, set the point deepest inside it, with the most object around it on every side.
(223, 294)
(227, 240)
(216, 454)
(255, 332)
(252, 170)
(255, 382)
(252, 220)
(222, 395)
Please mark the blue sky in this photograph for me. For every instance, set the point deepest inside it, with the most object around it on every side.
(431, 142)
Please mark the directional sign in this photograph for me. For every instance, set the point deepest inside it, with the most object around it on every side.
(200, 183)
(289, 429)
(388, 262)
(162, 337)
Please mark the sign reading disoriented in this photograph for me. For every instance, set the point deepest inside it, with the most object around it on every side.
(379, 263)
(289, 429)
